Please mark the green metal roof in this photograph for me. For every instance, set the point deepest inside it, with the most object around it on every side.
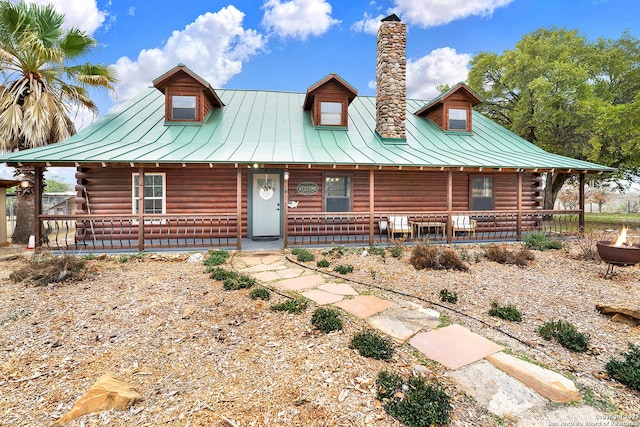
(272, 128)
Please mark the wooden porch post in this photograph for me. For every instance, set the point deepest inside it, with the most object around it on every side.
(519, 207)
(141, 209)
(372, 210)
(37, 207)
(285, 231)
(449, 205)
(239, 207)
(581, 203)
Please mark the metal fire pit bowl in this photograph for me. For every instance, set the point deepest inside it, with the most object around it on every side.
(617, 255)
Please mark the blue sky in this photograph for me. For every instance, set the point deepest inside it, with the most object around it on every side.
(288, 45)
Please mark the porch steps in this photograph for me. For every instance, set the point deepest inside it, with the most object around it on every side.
(517, 390)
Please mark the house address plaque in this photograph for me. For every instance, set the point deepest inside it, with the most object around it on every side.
(307, 188)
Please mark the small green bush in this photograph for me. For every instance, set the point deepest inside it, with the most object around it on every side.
(323, 263)
(304, 255)
(293, 305)
(338, 252)
(326, 320)
(503, 256)
(566, 334)
(215, 258)
(260, 293)
(413, 402)
(369, 344)
(241, 281)
(447, 296)
(539, 241)
(376, 250)
(427, 256)
(396, 251)
(506, 312)
(219, 273)
(344, 269)
(627, 371)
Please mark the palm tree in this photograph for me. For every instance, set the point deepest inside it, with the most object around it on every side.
(42, 86)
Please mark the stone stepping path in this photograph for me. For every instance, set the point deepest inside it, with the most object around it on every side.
(507, 386)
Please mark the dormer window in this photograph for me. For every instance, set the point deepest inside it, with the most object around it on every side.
(330, 113)
(457, 119)
(328, 102)
(183, 107)
(187, 97)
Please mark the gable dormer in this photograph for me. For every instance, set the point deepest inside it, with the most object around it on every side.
(328, 100)
(187, 97)
(452, 110)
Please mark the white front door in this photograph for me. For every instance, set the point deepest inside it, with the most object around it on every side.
(266, 204)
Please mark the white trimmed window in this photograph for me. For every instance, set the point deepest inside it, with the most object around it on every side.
(154, 193)
(183, 107)
(457, 119)
(330, 113)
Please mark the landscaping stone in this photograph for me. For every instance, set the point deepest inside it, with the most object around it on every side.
(363, 306)
(322, 297)
(299, 283)
(106, 393)
(549, 384)
(338, 288)
(454, 346)
(264, 267)
(267, 276)
(498, 392)
(401, 323)
(289, 273)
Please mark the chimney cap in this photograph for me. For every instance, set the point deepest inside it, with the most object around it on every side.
(391, 18)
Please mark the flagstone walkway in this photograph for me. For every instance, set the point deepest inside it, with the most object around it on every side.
(507, 386)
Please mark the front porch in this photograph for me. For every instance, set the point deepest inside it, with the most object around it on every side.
(99, 233)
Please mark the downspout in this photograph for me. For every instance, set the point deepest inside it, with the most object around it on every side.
(37, 208)
(581, 203)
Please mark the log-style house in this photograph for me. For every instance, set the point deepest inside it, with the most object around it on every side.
(183, 165)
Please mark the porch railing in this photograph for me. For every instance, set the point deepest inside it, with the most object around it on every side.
(121, 232)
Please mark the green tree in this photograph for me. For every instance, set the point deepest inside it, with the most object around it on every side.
(55, 184)
(567, 95)
(42, 85)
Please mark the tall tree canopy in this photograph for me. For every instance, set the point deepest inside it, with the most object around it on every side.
(567, 95)
(42, 85)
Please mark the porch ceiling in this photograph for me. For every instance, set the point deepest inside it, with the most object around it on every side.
(272, 128)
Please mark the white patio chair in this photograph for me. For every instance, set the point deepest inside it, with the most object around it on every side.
(399, 224)
(462, 223)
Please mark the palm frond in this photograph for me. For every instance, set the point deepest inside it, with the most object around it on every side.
(10, 125)
(76, 42)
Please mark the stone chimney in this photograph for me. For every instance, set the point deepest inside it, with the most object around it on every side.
(391, 68)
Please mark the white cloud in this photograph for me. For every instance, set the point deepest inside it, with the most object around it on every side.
(298, 19)
(429, 13)
(132, 11)
(367, 24)
(443, 65)
(214, 46)
(82, 14)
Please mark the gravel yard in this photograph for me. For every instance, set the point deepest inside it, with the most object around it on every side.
(203, 356)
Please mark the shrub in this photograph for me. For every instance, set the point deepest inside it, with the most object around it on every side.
(503, 256)
(413, 402)
(540, 242)
(396, 251)
(448, 296)
(260, 293)
(428, 256)
(344, 269)
(323, 263)
(370, 344)
(627, 371)
(215, 258)
(326, 320)
(40, 271)
(241, 281)
(338, 252)
(220, 273)
(566, 335)
(128, 257)
(304, 255)
(293, 305)
(586, 244)
(506, 312)
(377, 250)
